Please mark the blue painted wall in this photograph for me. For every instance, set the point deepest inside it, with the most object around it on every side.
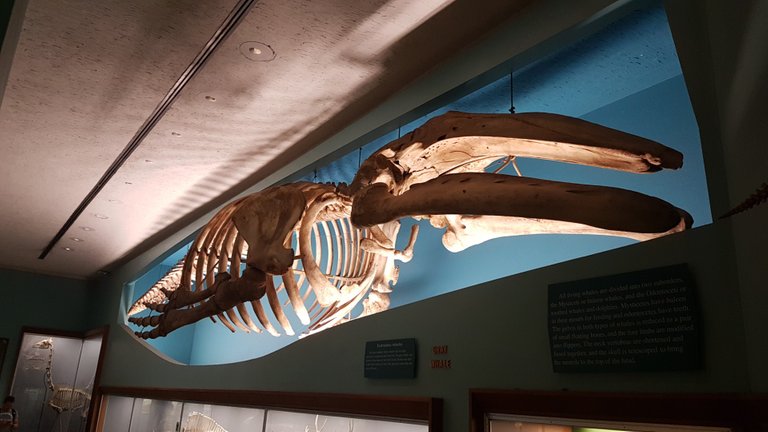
(626, 77)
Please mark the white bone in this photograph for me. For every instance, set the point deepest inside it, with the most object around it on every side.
(63, 398)
(199, 422)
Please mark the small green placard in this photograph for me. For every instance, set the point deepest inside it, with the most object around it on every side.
(390, 359)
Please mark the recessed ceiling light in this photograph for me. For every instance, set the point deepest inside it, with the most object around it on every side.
(67, 248)
(87, 228)
(257, 51)
(210, 98)
(100, 216)
(129, 183)
(176, 134)
(76, 239)
(148, 160)
(114, 201)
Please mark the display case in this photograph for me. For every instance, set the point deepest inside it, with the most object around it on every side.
(134, 410)
(54, 379)
(531, 411)
(547, 424)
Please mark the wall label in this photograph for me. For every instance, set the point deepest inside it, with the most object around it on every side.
(641, 321)
(440, 349)
(390, 359)
(441, 363)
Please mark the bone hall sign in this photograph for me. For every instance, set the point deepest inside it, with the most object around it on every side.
(640, 321)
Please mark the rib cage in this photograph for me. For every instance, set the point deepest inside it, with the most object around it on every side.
(343, 262)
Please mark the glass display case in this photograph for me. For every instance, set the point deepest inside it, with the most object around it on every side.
(511, 424)
(54, 379)
(284, 421)
(133, 414)
(217, 418)
(573, 411)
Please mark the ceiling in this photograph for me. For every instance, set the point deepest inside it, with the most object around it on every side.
(87, 76)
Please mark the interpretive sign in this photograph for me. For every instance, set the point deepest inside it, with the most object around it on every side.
(641, 321)
(390, 359)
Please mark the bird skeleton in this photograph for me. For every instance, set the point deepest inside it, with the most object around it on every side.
(332, 247)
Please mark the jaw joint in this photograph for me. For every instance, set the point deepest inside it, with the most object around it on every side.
(374, 246)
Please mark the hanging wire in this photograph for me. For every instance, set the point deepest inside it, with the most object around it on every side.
(359, 157)
(315, 178)
(511, 93)
(511, 159)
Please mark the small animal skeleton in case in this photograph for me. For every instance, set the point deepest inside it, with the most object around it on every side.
(199, 422)
(331, 247)
(63, 398)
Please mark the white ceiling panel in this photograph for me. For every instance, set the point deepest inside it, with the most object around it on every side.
(86, 75)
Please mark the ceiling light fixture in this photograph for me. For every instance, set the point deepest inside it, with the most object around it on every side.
(257, 51)
(100, 216)
(176, 134)
(76, 239)
(87, 228)
(114, 201)
(67, 248)
(210, 98)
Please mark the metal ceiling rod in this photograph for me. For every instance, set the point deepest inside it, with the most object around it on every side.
(234, 18)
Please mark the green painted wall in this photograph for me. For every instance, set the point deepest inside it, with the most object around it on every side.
(722, 48)
(751, 237)
(38, 301)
